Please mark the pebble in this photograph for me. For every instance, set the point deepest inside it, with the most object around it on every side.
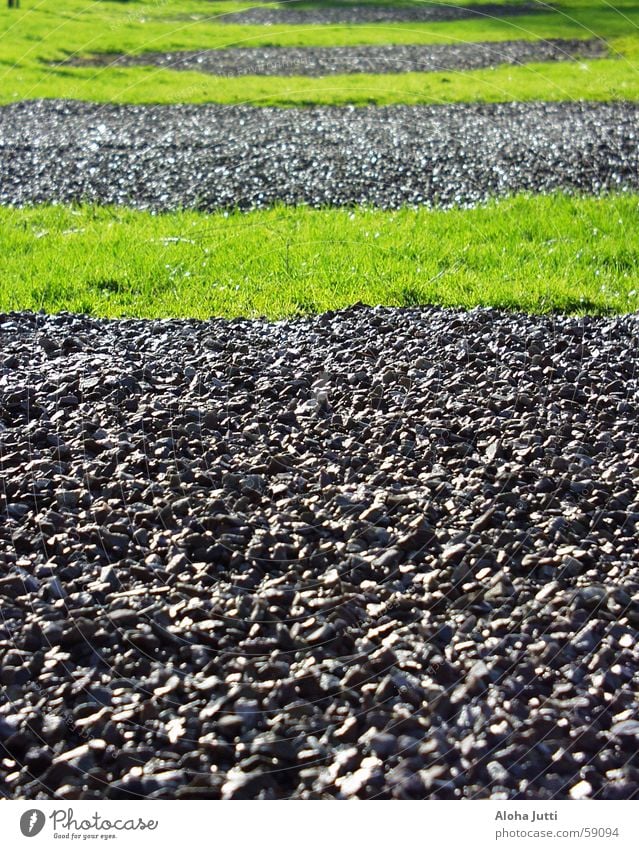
(362, 59)
(184, 156)
(373, 13)
(393, 628)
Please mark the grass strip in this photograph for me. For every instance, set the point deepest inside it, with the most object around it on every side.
(530, 253)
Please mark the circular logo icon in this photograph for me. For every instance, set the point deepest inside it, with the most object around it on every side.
(32, 822)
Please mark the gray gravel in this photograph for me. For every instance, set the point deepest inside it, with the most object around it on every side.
(208, 157)
(362, 59)
(375, 59)
(375, 554)
(378, 14)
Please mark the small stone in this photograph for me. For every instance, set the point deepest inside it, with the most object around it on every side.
(581, 790)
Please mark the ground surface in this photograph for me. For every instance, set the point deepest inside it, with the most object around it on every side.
(374, 59)
(375, 554)
(34, 40)
(378, 13)
(212, 157)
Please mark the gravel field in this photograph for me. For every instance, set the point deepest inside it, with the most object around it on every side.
(379, 14)
(378, 553)
(364, 59)
(208, 157)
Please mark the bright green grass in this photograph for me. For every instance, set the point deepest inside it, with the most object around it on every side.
(605, 80)
(44, 31)
(535, 254)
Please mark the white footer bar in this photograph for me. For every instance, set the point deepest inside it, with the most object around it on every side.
(320, 824)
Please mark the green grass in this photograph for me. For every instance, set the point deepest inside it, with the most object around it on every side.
(535, 254)
(44, 31)
(606, 80)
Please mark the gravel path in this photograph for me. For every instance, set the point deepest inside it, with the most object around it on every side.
(375, 14)
(209, 157)
(379, 553)
(375, 59)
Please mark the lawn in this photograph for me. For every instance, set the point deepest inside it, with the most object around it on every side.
(43, 32)
(536, 254)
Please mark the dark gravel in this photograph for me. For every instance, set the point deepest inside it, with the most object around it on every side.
(380, 553)
(375, 59)
(377, 14)
(208, 157)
